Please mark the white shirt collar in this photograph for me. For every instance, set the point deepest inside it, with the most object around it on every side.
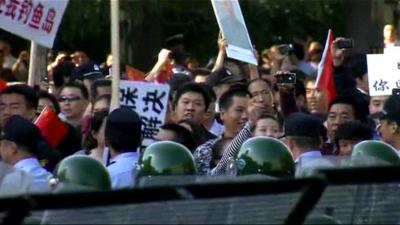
(27, 163)
(312, 153)
(125, 155)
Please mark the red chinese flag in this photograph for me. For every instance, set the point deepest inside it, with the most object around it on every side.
(325, 80)
(134, 74)
(3, 85)
(166, 73)
(51, 126)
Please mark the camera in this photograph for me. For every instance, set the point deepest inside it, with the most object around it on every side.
(396, 91)
(286, 78)
(345, 43)
(285, 49)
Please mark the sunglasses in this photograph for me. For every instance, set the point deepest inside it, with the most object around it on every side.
(65, 99)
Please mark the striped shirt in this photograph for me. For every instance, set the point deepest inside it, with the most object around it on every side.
(232, 150)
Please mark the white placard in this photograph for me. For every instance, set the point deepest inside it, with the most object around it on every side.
(383, 73)
(233, 27)
(36, 20)
(150, 101)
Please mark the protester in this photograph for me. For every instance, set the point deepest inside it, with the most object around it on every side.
(349, 134)
(8, 59)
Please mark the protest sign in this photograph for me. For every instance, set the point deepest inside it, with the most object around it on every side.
(36, 20)
(233, 27)
(150, 101)
(383, 73)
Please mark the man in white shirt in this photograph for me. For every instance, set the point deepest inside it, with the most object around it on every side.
(303, 136)
(123, 137)
(20, 142)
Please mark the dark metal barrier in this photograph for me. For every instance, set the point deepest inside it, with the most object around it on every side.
(246, 201)
(351, 195)
(361, 195)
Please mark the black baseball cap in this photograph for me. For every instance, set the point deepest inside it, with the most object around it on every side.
(391, 110)
(223, 76)
(22, 131)
(124, 126)
(89, 70)
(303, 125)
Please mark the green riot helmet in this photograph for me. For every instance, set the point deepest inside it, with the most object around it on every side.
(166, 158)
(370, 153)
(83, 170)
(265, 155)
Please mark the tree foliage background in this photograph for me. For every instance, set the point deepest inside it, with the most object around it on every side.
(144, 25)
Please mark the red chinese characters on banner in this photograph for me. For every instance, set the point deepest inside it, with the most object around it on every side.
(25, 10)
(37, 16)
(12, 7)
(29, 12)
(48, 23)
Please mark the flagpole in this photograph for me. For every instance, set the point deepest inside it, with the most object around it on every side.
(37, 64)
(115, 51)
(32, 64)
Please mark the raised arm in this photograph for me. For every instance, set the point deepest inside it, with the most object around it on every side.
(219, 62)
(163, 60)
(234, 147)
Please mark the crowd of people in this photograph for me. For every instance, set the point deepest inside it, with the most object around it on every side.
(213, 112)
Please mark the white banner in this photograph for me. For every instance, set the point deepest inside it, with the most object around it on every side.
(150, 101)
(36, 20)
(231, 22)
(383, 73)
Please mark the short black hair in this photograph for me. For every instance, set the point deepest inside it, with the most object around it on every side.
(99, 83)
(52, 98)
(270, 86)
(307, 142)
(181, 135)
(354, 130)
(347, 101)
(80, 86)
(210, 91)
(28, 92)
(103, 97)
(123, 130)
(192, 87)
(226, 99)
(269, 116)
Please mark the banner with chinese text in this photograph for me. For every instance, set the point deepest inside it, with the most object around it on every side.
(36, 20)
(150, 101)
(233, 27)
(383, 73)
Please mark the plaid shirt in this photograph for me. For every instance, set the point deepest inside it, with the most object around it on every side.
(203, 156)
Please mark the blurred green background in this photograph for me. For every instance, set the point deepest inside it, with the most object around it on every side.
(144, 25)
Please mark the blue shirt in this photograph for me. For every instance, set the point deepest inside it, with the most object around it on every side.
(40, 176)
(122, 170)
(309, 161)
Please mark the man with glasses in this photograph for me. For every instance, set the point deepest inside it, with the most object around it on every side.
(73, 100)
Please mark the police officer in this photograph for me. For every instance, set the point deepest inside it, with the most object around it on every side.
(20, 143)
(303, 136)
(123, 137)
